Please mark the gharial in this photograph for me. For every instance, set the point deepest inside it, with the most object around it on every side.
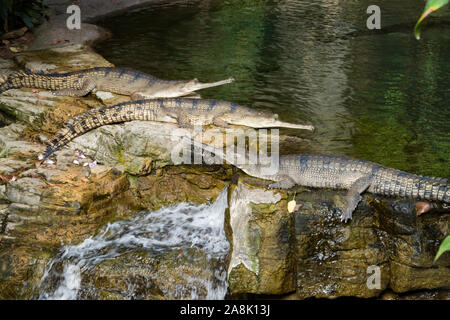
(183, 111)
(124, 81)
(338, 172)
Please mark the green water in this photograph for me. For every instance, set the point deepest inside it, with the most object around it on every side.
(379, 96)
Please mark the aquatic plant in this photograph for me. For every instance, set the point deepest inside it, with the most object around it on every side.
(430, 6)
(445, 246)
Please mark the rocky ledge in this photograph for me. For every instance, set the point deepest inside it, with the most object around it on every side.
(115, 171)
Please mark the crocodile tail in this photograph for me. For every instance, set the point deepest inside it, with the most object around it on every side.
(62, 137)
(414, 186)
(12, 81)
(430, 188)
(48, 152)
(38, 80)
(146, 110)
(3, 79)
(75, 127)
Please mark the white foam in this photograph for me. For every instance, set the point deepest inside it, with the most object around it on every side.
(171, 228)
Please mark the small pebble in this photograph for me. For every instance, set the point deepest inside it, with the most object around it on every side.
(76, 162)
(78, 154)
(41, 156)
(93, 164)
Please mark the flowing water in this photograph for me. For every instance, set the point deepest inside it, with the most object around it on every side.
(375, 95)
(183, 229)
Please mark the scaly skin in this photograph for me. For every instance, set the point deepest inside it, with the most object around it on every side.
(324, 171)
(118, 80)
(357, 176)
(183, 111)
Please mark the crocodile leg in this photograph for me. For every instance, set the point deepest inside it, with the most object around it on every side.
(353, 196)
(219, 122)
(136, 96)
(286, 183)
(182, 117)
(87, 86)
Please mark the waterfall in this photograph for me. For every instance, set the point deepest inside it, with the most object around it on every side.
(173, 228)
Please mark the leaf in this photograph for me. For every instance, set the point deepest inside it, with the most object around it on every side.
(430, 6)
(291, 206)
(445, 246)
(15, 49)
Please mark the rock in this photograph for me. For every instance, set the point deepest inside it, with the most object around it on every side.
(3, 195)
(138, 145)
(14, 34)
(55, 33)
(67, 58)
(37, 66)
(26, 191)
(261, 260)
(9, 166)
(22, 106)
(11, 144)
(6, 66)
(333, 259)
(104, 96)
(138, 275)
(43, 212)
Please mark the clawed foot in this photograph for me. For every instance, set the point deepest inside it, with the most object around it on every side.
(346, 215)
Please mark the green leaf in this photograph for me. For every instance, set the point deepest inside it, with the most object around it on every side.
(430, 6)
(445, 246)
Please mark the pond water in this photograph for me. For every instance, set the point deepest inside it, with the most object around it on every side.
(374, 95)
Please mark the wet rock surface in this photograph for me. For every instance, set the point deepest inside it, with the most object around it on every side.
(327, 258)
(262, 260)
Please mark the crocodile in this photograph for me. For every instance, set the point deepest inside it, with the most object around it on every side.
(123, 81)
(339, 172)
(183, 111)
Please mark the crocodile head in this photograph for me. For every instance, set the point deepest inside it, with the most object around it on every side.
(259, 119)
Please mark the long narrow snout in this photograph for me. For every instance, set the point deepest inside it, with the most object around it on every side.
(199, 85)
(282, 124)
(270, 123)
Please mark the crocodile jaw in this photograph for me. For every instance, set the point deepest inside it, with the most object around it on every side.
(270, 123)
(179, 88)
(282, 124)
(195, 85)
